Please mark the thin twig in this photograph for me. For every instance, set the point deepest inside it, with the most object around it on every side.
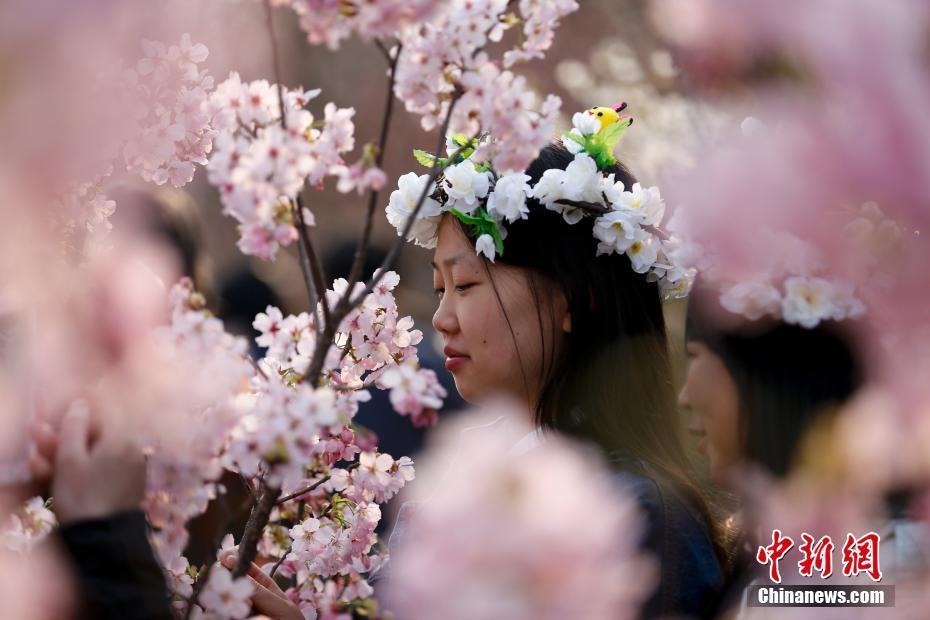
(310, 488)
(307, 272)
(248, 545)
(385, 51)
(277, 564)
(434, 171)
(318, 291)
(276, 67)
(362, 250)
(316, 268)
(255, 365)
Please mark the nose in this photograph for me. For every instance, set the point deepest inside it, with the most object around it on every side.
(444, 319)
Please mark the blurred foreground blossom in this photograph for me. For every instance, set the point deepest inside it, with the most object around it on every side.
(503, 532)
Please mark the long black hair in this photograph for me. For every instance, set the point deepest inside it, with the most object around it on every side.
(611, 384)
(788, 378)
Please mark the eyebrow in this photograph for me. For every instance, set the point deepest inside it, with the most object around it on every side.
(448, 262)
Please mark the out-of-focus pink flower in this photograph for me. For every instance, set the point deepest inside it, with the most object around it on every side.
(496, 531)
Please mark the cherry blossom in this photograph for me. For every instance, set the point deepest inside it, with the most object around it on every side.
(260, 166)
(329, 23)
(30, 525)
(414, 391)
(225, 597)
(174, 125)
(515, 518)
(447, 55)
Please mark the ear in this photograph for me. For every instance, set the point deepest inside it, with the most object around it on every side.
(567, 322)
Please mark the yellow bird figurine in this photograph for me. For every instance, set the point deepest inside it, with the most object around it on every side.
(609, 116)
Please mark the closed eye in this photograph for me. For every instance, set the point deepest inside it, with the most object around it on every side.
(461, 288)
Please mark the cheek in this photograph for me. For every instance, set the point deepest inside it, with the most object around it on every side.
(722, 424)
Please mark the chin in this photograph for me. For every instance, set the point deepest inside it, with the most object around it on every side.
(466, 390)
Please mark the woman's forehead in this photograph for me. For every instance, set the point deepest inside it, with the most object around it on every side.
(453, 247)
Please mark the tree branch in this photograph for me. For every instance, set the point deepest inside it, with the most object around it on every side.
(434, 171)
(316, 268)
(248, 545)
(362, 250)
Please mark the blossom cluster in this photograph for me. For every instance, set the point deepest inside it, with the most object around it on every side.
(292, 436)
(446, 56)
(377, 478)
(793, 283)
(28, 526)
(169, 94)
(626, 222)
(183, 468)
(519, 518)
(330, 23)
(261, 162)
(373, 345)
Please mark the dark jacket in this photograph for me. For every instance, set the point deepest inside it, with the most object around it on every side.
(116, 570)
(678, 535)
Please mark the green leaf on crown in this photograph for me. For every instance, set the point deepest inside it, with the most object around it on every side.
(427, 159)
(600, 146)
(482, 224)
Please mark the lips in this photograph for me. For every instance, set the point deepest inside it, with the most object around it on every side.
(454, 358)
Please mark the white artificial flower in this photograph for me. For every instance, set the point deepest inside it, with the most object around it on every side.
(586, 124)
(615, 231)
(808, 301)
(645, 203)
(508, 200)
(752, 299)
(797, 257)
(611, 189)
(465, 185)
(572, 146)
(485, 245)
(580, 181)
(846, 304)
(583, 179)
(643, 252)
(676, 282)
(402, 203)
(550, 187)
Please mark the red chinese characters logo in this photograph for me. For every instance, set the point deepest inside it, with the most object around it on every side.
(860, 555)
(773, 553)
(817, 556)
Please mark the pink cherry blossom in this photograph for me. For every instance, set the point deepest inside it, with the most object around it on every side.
(174, 126)
(518, 520)
(259, 166)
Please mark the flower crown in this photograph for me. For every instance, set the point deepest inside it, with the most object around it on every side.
(796, 286)
(626, 219)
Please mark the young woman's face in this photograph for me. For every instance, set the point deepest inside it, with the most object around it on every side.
(710, 397)
(486, 355)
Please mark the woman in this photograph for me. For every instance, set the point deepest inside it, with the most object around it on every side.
(580, 339)
(754, 391)
(543, 300)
